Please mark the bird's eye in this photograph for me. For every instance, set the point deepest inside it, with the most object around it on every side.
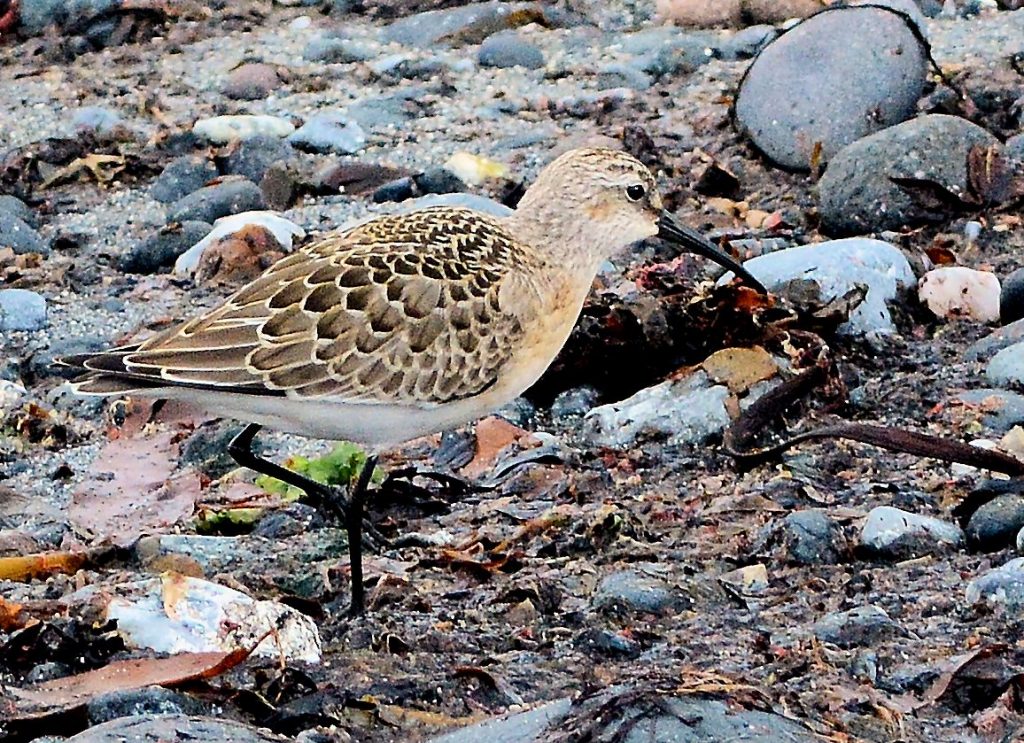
(636, 192)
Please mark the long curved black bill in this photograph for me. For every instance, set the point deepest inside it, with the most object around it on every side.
(669, 228)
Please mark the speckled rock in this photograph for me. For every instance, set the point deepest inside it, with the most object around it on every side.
(252, 158)
(212, 202)
(333, 49)
(810, 537)
(251, 82)
(684, 411)
(1000, 338)
(225, 129)
(893, 534)
(182, 176)
(631, 591)
(1011, 299)
(837, 266)
(857, 193)
(509, 49)
(159, 252)
(173, 728)
(832, 79)
(1006, 369)
(16, 207)
(469, 24)
(862, 626)
(995, 525)
(147, 701)
(329, 132)
(1002, 586)
(19, 236)
(21, 309)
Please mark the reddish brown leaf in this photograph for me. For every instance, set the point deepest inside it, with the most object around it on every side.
(131, 491)
(67, 693)
(975, 680)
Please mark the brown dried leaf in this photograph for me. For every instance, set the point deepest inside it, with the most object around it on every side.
(67, 693)
(740, 368)
(493, 436)
(975, 680)
(131, 491)
(11, 617)
(940, 256)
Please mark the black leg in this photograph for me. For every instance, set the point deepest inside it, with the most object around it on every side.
(356, 499)
(349, 510)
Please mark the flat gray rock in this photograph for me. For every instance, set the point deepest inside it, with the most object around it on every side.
(21, 309)
(1006, 369)
(469, 24)
(830, 80)
(17, 235)
(1002, 586)
(629, 717)
(996, 341)
(857, 193)
(685, 411)
(837, 266)
(1002, 409)
(173, 728)
(893, 534)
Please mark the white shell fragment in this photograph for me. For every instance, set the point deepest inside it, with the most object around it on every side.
(224, 129)
(959, 292)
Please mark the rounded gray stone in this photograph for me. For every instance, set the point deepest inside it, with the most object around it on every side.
(629, 591)
(811, 538)
(173, 728)
(1011, 298)
(893, 534)
(213, 202)
(21, 309)
(832, 79)
(329, 133)
(17, 235)
(995, 525)
(1002, 586)
(1006, 369)
(857, 193)
(182, 176)
(18, 208)
(837, 266)
(862, 626)
(159, 252)
(509, 49)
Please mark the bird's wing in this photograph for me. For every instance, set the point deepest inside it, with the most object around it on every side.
(404, 308)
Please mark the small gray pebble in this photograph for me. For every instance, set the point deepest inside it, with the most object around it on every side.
(213, 202)
(21, 309)
(181, 177)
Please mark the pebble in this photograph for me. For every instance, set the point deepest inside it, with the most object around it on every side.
(147, 701)
(831, 79)
(16, 234)
(329, 133)
(747, 42)
(182, 176)
(335, 50)
(667, 50)
(1006, 369)
(283, 230)
(837, 267)
(811, 538)
(1002, 409)
(689, 410)
(1011, 299)
(21, 309)
(15, 207)
(384, 112)
(1002, 586)
(156, 728)
(509, 49)
(857, 193)
(574, 402)
(253, 81)
(987, 347)
(632, 591)
(995, 524)
(210, 203)
(1014, 149)
(468, 24)
(623, 75)
(864, 625)
(252, 158)
(293, 520)
(893, 534)
(159, 252)
(225, 129)
(650, 716)
(96, 119)
(952, 292)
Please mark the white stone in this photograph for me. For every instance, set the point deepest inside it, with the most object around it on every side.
(960, 292)
(224, 129)
(283, 230)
